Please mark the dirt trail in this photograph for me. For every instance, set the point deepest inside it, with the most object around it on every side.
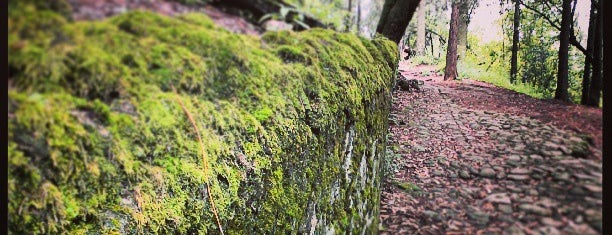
(469, 165)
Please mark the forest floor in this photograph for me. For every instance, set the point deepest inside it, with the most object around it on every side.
(472, 158)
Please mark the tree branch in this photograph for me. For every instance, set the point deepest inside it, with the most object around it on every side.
(440, 36)
(573, 41)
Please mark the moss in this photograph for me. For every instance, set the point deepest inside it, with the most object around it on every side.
(408, 187)
(99, 142)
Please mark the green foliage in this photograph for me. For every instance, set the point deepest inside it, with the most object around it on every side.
(538, 51)
(287, 14)
(331, 12)
(99, 144)
(423, 59)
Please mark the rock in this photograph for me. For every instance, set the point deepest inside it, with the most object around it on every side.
(564, 176)
(593, 201)
(518, 177)
(577, 191)
(487, 172)
(520, 171)
(580, 228)
(507, 218)
(593, 188)
(581, 176)
(530, 208)
(501, 175)
(550, 222)
(581, 150)
(533, 192)
(431, 216)
(549, 230)
(551, 146)
(515, 158)
(466, 193)
(498, 168)
(499, 198)
(438, 173)
(565, 150)
(514, 189)
(536, 158)
(536, 176)
(504, 208)
(594, 218)
(557, 154)
(473, 170)
(513, 230)
(464, 174)
(479, 218)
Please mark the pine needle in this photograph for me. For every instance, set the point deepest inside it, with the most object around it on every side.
(204, 158)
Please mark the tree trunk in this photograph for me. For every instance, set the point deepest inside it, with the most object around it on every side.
(595, 86)
(515, 42)
(358, 17)
(420, 40)
(562, 68)
(462, 29)
(395, 17)
(586, 76)
(450, 72)
(347, 19)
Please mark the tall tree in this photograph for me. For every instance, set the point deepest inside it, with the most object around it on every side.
(586, 76)
(395, 17)
(348, 19)
(358, 17)
(595, 86)
(561, 92)
(462, 29)
(420, 39)
(515, 41)
(450, 71)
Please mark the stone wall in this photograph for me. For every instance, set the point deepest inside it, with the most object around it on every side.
(293, 126)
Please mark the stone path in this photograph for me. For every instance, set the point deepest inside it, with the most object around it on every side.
(465, 171)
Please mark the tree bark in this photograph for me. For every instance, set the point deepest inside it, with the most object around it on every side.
(420, 40)
(586, 76)
(450, 71)
(395, 17)
(561, 92)
(358, 17)
(462, 29)
(515, 42)
(596, 81)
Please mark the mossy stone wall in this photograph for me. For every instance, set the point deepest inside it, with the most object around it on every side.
(293, 126)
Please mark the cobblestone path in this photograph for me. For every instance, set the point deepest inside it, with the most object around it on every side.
(466, 171)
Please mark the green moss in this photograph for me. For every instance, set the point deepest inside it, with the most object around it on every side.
(99, 142)
(408, 187)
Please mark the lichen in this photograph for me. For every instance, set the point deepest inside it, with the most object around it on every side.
(99, 143)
